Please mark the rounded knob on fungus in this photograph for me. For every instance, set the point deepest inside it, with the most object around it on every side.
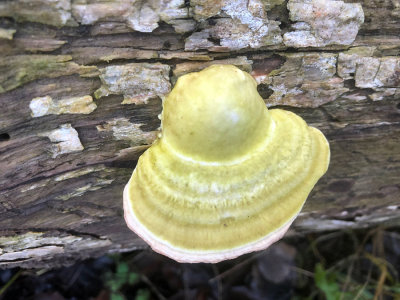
(215, 115)
(228, 176)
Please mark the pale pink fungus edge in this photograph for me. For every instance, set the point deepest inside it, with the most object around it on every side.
(188, 256)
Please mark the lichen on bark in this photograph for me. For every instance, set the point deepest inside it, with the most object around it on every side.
(138, 82)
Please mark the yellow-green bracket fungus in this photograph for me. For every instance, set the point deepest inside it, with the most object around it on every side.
(227, 176)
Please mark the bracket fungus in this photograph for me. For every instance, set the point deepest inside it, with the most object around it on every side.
(227, 176)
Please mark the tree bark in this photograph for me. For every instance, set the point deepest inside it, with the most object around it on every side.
(81, 87)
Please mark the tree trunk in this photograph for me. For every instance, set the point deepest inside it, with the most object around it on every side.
(81, 84)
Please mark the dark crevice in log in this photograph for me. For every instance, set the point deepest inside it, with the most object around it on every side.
(4, 137)
(264, 91)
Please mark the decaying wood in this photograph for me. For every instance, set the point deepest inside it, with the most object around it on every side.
(81, 85)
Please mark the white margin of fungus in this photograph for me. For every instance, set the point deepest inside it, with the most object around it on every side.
(191, 256)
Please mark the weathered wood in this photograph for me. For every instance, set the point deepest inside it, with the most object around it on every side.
(81, 85)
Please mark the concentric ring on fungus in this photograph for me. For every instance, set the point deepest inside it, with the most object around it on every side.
(228, 176)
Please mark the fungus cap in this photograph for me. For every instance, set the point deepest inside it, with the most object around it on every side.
(228, 176)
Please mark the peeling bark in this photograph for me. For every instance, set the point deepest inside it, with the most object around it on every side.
(81, 87)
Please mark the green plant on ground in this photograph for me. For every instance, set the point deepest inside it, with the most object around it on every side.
(359, 269)
(123, 277)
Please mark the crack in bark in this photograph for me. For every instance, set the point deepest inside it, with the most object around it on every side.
(50, 231)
